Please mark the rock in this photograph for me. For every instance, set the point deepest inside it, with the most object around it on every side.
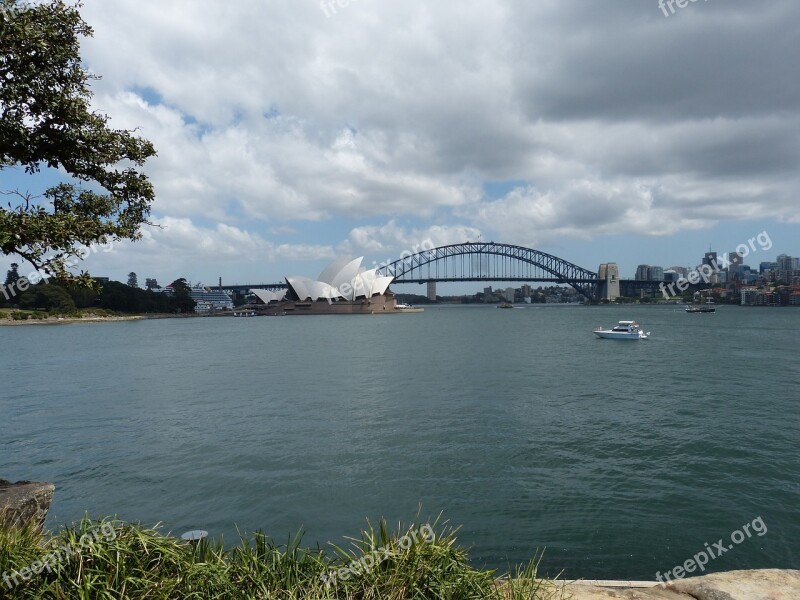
(24, 502)
(763, 584)
(620, 590)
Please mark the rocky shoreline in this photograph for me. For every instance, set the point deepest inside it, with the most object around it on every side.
(759, 584)
(24, 502)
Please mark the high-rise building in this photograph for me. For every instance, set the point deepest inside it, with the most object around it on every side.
(681, 271)
(710, 259)
(655, 273)
(767, 266)
(786, 262)
(642, 273)
(432, 291)
(786, 266)
(735, 262)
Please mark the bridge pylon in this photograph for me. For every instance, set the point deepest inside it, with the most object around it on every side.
(608, 282)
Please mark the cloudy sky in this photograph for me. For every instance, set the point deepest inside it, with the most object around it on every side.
(290, 131)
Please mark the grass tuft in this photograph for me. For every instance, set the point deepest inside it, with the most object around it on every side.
(109, 559)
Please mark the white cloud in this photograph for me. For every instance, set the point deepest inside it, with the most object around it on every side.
(609, 117)
(390, 240)
(179, 246)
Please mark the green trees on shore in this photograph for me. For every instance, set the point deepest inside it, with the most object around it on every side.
(113, 296)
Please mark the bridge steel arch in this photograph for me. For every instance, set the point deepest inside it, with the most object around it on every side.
(490, 261)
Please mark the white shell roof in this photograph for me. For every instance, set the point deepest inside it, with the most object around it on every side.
(329, 273)
(343, 278)
(267, 296)
(381, 284)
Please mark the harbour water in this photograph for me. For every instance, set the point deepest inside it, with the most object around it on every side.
(619, 459)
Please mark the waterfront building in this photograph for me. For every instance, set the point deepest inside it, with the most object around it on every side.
(343, 279)
(203, 306)
(207, 299)
(749, 296)
(766, 298)
(343, 287)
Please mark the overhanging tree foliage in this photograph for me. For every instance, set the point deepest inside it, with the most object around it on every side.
(46, 121)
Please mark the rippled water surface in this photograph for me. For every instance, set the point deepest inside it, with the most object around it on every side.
(620, 458)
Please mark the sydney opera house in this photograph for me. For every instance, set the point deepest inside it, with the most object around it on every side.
(343, 287)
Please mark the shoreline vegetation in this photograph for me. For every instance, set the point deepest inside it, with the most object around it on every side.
(107, 558)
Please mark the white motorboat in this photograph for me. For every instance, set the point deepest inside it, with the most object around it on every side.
(408, 308)
(624, 330)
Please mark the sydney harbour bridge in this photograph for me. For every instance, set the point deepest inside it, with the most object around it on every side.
(498, 262)
(490, 261)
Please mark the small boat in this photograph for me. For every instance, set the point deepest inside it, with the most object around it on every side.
(408, 308)
(624, 330)
(505, 305)
(701, 309)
